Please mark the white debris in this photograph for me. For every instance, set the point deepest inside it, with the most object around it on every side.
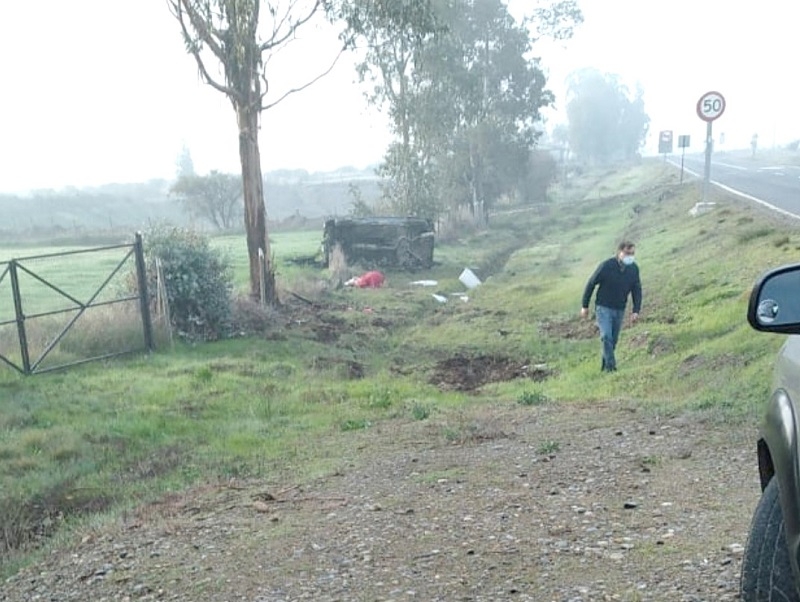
(469, 279)
(700, 208)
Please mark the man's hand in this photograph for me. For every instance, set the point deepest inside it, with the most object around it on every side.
(584, 312)
(634, 318)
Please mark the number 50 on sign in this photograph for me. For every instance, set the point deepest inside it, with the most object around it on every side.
(710, 106)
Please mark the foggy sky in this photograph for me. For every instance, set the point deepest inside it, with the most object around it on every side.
(99, 91)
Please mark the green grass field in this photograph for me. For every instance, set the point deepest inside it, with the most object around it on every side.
(104, 436)
(59, 279)
(80, 273)
(285, 247)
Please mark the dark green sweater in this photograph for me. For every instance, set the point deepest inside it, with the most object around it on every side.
(615, 281)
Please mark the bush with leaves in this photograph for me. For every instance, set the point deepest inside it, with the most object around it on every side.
(541, 173)
(197, 279)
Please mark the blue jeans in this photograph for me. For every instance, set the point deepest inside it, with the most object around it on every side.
(609, 321)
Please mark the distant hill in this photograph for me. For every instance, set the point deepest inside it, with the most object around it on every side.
(115, 210)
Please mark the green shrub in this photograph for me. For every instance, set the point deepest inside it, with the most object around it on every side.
(751, 235)
(381, 398)
(353, 424)
(782, 241)
(532, 398)
(548, 447)
(197, 279)
(420, 411)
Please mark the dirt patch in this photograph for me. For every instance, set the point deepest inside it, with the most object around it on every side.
(465, 373)
(581, 503)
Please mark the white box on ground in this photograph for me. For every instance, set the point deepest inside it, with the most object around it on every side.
(469, 279)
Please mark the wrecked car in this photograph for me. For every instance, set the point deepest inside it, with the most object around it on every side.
(406, 242)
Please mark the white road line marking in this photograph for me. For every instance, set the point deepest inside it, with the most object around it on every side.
(744, 195)
(755, 200)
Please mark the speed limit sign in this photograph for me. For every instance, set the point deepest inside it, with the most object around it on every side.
(710, 106)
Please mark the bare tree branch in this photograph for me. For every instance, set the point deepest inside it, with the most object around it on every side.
(278, 22)
(293, 27)
(227, 90)
(304, 86)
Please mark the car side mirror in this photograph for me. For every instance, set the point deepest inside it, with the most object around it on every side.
(775, 301)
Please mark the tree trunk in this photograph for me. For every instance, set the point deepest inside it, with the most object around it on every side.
(477, 201)
(255, 219)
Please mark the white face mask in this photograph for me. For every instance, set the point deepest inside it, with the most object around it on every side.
(628, 259)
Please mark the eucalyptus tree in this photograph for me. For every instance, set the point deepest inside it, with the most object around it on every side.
(391, 35)
(484, 97)
(227, 37)
(555, 20)
(463, 93)
(606, 122)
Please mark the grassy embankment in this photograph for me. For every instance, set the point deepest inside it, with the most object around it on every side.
(103, 436)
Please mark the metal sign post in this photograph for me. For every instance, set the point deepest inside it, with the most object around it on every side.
(709, 150)
(710, 106)
(683, 143)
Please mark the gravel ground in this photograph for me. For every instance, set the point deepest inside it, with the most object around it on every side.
(545, 503)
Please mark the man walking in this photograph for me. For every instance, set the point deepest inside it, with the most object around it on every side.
(615, 279)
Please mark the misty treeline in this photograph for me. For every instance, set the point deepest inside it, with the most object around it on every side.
(111, 213)
(606, 122)
(298, 199)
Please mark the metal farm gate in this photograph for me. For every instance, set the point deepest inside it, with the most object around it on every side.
(37, 272)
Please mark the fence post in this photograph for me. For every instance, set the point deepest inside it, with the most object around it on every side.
(144, 297)
(23, 339)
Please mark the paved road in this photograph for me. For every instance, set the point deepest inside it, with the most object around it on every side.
(776, 186)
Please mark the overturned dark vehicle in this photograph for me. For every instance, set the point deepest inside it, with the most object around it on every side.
(406, 242)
